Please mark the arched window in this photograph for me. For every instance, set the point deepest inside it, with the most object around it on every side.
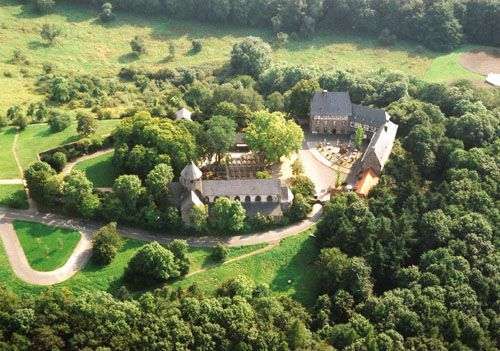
(258, 199)
(247, 198)
(270, 198)
(237, 198)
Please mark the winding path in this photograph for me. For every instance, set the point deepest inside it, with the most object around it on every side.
(70, 165)
(81, 253)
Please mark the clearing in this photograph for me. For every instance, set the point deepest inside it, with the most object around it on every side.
(482, 61)
(46, 248)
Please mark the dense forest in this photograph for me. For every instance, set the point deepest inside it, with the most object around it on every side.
(440, 25)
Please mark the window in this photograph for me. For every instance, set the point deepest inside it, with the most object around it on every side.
(247, 198)
(258, 199)
(269, 198)
(237, 198)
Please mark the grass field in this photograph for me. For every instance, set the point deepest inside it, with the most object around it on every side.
(45, 139)
(287, 269)
(87, 46)
(7, 190)
(99, 170)
(46, 248)
(8, 168)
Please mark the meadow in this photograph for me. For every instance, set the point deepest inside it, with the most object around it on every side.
(88, 46)
(99, 170)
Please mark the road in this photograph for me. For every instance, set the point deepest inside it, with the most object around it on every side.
(81, 253)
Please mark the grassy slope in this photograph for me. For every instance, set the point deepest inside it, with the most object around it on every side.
(88, 46)
(6, 190)
(8, 168)
(46, 248)
(45, 139)
(99, 170)
(291, 260)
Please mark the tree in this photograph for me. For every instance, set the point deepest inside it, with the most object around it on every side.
(251, 56)
(196, 46)
(281, 39)
(44, 6)
(138, 45)
(359, 136)
(272, 136)
(106, 14)
(171, 51)
(21, 121)
(38, 176)
(227, 216)
(180, 250)
(219, 136)
(152, 264)
(299, 209)
(49, 33)
(298, 99)
(198, 218)
(303, 185)
(58, 121)
(58, 161)
(220, 253)
(129, 190)
(158, 180)
(78, 195)
(86, 124)
(17, 117)
(105, 244)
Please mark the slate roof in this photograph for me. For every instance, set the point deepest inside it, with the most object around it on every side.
(191, 172)
(380, 145)
(331, 104)
(235, 187)
(265, 208)
(374, 117)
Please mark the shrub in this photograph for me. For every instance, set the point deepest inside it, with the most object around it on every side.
(138, 46)
(86, 124)
(227, 216)
(58, 161)
(262, 175)
(300, 208)
(49, 33)
(106, 243)
(152, 264)
(219, 253)
(19, 57)
(198, 218)
(237, 286)
(196, 46)
(301, 184)
(251, 56)
(21, 121)
(297, 167)
(18, 200)
(58, 121)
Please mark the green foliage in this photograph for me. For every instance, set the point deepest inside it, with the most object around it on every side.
(251, 56)
(152, 264)
(129, 189)
(198, 218)
(262, 175)
(237, 286)
(50, 32)
(44, 6)
(106, 243)
(86, 124)
(219, 136)
(78, 195)
(58, 161)
(272, 136)
(298, 100)
(138, 45)
(196, 46)
(359, 136)
(107, 14)
(299, 209)
(303, 185)
(226, 216)
(159, 179)
(58, 121)
(220, 253)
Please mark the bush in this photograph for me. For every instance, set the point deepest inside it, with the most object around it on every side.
(86, 124)
(58, 161)
(106, 14)
(251, 56)
(300, 208)
(58, 121)
(227, 216)
(18, 200)
(262, 175)
(196, 46)
(152, 264)
(106, 243)
(220, 253)
(19, 57)
(237, 286)
(138, 46)
(301, 184)
(49, 33)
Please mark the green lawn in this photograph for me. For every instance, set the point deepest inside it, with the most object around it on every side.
(8, 190)
(287, 269)
(28, 149)
(46, 248)
(8, 168)
(99, 170)
(90, 47)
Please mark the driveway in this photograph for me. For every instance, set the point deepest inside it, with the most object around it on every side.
(321, 175)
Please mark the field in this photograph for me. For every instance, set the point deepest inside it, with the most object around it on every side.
(99, 170)
(87, 46)
(8, 168)
(46, 248)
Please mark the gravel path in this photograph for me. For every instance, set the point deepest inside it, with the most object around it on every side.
(82, 252)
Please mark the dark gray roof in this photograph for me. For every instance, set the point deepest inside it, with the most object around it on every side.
(241, 187)
(331, 104)
(374, 117)
(265, 208)
(380, 146)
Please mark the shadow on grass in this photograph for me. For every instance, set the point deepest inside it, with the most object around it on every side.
(101, 174)
(301, 274)
(128, 58)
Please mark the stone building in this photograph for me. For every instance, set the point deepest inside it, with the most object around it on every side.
(265, 196)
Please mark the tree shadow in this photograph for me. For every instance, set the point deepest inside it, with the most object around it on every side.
(301, 275)
(128, 58)
(36, 44)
